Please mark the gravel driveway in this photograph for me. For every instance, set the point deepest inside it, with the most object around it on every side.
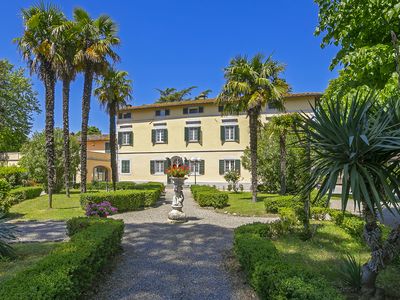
(174, 261)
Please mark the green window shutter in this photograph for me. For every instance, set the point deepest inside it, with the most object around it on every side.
(166, 135)
(167, 164)
(120, 138)
(237, 133)
(153, 136)
(200, 135)
(131, 138)
(152, 167)
(201, 167)
(186, 134)
(222, 134)
(186, 162)
(237, 165)
(221, 167)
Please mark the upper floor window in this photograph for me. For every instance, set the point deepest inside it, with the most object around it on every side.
(162, 112)
(193, 134)
(127, 115)
(193, 110)
(107, 147)
(125, 138)
(159, 136)
(229, 133)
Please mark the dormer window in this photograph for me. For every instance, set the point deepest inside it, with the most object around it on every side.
(162, 112)
(193, 110)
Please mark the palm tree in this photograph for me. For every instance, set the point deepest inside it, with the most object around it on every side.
(174, 95)
(38, 48)
(250, 85)
(66, 71)
(96, 38)
(360, 143)
(280, 126)
(113, 91)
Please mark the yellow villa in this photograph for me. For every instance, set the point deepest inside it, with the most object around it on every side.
(152, 137)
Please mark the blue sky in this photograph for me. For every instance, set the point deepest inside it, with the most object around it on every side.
(179, 43)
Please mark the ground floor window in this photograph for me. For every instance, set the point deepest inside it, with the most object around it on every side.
(229, 165)
(194, 167)
(159, 167)
(125, 166)
(100, 174)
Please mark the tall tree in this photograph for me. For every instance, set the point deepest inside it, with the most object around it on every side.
(174, 95)
(250, 85)
(66, 71)
(362, 30)
(359, 142)
(203, 95)
(280, 126)
(18, 103)
(96, 39)
(113, 91)
(38, 47)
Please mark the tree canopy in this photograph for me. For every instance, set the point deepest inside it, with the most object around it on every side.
(362, 31)
(18, 103)
(92, 130)
(174, 95)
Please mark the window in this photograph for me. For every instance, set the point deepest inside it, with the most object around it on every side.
(126, 138)
(229, 165)
(194, 167)
(162, 112)
(160, 135)
(229, 133)
(274, 104)
(159, 167)
(127, 115)
(193, 110)
(107, 147)
(220, 108)
(193, 134)
(125, 166)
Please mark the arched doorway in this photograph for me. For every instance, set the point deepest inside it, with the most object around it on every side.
(176, 161)
(100, 173)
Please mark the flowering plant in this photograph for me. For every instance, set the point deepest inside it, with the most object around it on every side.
(178, 171)
(102, 209)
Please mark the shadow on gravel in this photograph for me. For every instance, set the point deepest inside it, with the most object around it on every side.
(39, 231)
(170, 261)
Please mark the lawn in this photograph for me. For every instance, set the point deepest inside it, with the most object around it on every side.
(241, 204)
(322, 255)
(64, 208)
(27, 255)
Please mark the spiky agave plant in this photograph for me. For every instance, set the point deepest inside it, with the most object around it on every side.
(7, 234)
(351, 271)
(359, 142)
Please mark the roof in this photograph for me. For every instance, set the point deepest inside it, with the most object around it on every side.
(204, 101)
(96, 137)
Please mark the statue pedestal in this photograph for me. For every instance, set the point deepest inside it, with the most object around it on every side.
(176, 215)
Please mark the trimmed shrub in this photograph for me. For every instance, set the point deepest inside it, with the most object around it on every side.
(269, 274)
(13, 175)
(150, 197)
(273, 203)
(126, 200)
(214, 199)
(5, 188)
(126, 185)
(24, 193)
(69, 270)
(195, 189)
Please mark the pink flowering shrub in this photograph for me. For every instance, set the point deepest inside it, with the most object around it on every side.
(102, 209)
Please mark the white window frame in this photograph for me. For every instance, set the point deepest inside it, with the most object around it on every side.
(159, 167)
(229, 133)
(229, 165)
(125, 138)
(160, 136)
(193, 134)
(192, 165)
(124, 160)
(195, 110)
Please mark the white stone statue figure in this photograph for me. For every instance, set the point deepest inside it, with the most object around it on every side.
(177, 199)
(176, 214)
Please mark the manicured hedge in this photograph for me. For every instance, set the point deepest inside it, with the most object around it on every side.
(209, 196)
(126, 200)
(69, 270)
(274, 203)
(13, 175)
(126, 185)
(269, 274)
(24, 193)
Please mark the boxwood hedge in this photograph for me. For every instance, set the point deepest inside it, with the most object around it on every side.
(209, 196)
(69, 270)
(24, 193)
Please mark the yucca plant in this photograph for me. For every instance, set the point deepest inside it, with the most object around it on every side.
(351, 271)
(359, 142)
(7, 234)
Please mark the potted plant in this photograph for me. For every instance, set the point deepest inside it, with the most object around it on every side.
(178, 176)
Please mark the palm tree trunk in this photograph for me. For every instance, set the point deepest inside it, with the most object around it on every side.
(66, 89)
(282, 146)
(253, 124)
(50, 81)
(87, 92)
(113, 150)
(382, 254)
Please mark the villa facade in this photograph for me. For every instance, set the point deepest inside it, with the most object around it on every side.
(152, 137)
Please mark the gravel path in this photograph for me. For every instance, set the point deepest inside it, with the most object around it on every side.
(40, 231)
(174, 261)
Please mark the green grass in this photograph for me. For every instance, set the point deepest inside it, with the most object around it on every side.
(64, 208)
(27, 255)
(322, 255)
(241, 204)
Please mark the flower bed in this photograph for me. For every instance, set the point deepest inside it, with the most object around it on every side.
(69, 270)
